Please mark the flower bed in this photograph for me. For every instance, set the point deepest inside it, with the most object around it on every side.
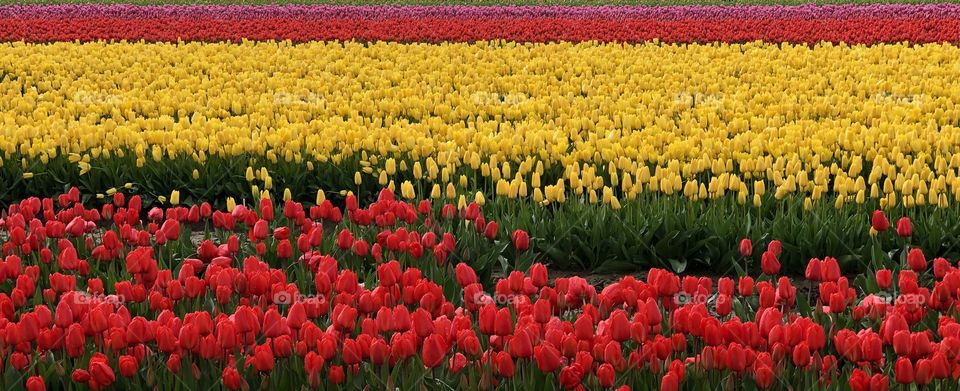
(312, 295)
(797, 24)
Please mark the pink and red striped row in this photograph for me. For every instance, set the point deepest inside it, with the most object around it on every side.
(805, 24)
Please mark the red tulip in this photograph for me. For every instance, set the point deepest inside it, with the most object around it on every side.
(941, 267)
(884, 278)
(903, 370)
(464, 274)
(570, 376)
(812, 272)
(538, 275)
(801, 354)
(336, 374)
(351, 352)
(548, 357)
(521, 240)
(879, 221)
(100, 371)
(904, 228)
(490, 230)
(504, 323)
(128, 366)
(619, 326)
(775, 247)
(902, 342)
(263, 359)
(345, 239)
(746, 247)
(769, 263)
(504, 364)
(80, 375)
(434, 350)
(745, 286)
(422, 322)
(606, 375)
(74, 341)
(173, 363)
(583, 327)
(923, 372)
(916, 260)
(859, 381)
(764, 376)
(35, 383)
(879, 382)
(284, 249)
(669, 382)
(456, 363)
(379, 352)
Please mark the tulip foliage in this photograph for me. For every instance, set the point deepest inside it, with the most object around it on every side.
(398, 294)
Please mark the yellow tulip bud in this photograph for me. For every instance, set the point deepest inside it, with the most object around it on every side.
(417, 171)
(615, 203)
(391, 166)
(451, 191)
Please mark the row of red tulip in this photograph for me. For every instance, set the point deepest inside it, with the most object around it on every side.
(110, 299)
(531, 29)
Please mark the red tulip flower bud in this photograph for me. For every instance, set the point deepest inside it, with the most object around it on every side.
(904, 228)
(879, 221)
(521, 240)
(746, 247)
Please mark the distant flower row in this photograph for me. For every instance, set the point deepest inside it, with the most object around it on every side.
(804, 24)
(884, 11)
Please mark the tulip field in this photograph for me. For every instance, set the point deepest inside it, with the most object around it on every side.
(203, 195)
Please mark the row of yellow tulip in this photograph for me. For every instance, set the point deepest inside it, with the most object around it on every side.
(543, 120)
